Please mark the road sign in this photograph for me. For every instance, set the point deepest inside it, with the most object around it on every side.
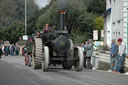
(102, 33)
(25, 37)
(95, 34)
(97, 44)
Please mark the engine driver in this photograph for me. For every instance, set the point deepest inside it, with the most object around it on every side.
(46, 29)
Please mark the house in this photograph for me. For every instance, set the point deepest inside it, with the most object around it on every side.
(115, 21)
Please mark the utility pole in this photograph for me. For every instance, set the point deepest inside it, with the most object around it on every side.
(25, 17)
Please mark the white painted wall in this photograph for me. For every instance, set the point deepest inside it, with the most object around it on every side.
(118, 20)
(108, 30)
(118, 23)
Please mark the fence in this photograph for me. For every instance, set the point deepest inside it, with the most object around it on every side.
(105, 57)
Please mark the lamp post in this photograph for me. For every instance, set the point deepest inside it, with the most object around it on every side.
(127, 27)
(25, 17)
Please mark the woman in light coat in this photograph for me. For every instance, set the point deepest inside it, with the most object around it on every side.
(89, 51)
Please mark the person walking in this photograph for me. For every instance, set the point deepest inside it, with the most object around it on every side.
(0, 51)
(82, 46)
(17, 50)
(85, 45)
(6, 50)
(89, 51)
(113, 55)
(121, 56)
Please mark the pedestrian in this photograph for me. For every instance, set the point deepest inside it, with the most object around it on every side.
(0, 51)
(82, 46)
(16, 50)
(113, 54)
(37, 34)
(121, 56)
(89, 51)
(3, 49)
(6, 49)
(30, 45)
(85, 45)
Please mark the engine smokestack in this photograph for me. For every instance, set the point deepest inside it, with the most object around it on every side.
(61, 19)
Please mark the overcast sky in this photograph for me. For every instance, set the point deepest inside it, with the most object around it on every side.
(41, 3)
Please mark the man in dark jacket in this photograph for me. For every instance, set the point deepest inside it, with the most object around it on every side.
(0, 51)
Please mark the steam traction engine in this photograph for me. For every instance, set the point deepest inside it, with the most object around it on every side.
(56, 48)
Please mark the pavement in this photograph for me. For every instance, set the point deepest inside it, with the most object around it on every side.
(14, 72)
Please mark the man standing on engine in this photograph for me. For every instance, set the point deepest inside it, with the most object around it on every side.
(46, 29)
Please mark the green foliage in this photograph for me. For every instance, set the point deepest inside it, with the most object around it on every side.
(96, 6)
(21, 42)
(12, 18)
(47, 15)
(81, 18)
(79, 36)
(99, 23)
(12, 32)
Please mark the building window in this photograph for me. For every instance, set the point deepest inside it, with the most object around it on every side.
(110, 1)
(119, 33)
(113, 33)
(118, 21)
(113, 23)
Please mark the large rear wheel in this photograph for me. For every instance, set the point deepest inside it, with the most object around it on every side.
(45, 60)
(79, 62)
(37, 53)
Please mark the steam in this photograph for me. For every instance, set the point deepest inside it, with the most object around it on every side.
(42, 3)
(62, 4)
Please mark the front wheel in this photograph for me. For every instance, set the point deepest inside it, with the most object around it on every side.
(45, 61)
(79, 62)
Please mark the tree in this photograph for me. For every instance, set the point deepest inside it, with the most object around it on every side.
(99, 25)
(12, 32)
(12, 18)
(80, 17)
(96, 6)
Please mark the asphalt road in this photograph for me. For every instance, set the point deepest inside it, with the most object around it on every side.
(14, 72)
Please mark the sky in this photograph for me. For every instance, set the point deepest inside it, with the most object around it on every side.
(41, 3)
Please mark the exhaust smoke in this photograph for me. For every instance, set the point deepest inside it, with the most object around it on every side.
(62, 4)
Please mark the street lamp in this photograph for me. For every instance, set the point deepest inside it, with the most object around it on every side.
(25, 17)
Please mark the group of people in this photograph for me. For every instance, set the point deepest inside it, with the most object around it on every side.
(87, 48)
(117, 55)
(10, 50)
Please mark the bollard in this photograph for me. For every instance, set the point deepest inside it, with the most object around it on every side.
(95, 62)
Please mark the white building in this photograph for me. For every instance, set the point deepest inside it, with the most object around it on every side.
(115, 23)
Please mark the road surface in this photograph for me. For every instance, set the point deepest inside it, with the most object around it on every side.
(14, 72)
